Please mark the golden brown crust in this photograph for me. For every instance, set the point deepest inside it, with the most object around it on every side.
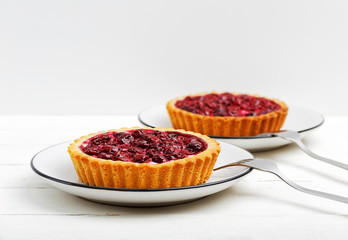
(188, 171)
(227, 126)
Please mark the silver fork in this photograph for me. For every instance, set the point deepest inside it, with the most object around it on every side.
(295, 137)
(271, 167)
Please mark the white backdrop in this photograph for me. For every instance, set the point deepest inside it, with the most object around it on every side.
(120, 57)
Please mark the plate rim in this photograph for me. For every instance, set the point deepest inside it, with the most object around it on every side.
(250, 137)
(82, 185)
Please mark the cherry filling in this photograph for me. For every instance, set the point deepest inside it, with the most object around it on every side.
(227, 104)
(143, 146)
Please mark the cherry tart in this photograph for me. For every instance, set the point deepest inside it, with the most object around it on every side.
(227, 114)
(144, 158)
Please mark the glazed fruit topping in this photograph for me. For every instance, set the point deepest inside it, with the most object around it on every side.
(143, 146)
(227, 104)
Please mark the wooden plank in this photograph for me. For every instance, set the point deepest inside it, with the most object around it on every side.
(173, 226)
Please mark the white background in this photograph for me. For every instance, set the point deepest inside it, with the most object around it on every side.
(120, 57)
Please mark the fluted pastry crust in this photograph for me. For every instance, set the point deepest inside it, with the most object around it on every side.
(188, 171)
(227, 126)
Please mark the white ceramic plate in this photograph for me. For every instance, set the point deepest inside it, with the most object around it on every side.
(54, 165)
(299, 119)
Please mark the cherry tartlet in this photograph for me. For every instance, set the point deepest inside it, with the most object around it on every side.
(227, 114)
(144, 158)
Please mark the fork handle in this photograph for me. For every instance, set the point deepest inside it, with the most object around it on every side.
(295, 137)
(308, 190)
(321, 158)
(271, 167)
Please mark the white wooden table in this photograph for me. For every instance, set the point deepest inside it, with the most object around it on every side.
(258, 207)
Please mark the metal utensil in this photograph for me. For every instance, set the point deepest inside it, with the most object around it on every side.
(295, 137)
(271, 167)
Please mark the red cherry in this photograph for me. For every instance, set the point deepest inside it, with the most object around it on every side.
(142, 145)
(227, 104)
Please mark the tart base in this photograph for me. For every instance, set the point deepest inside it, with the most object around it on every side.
(188, 171)
(227, 126)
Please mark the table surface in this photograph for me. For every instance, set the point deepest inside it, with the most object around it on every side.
(260, 206)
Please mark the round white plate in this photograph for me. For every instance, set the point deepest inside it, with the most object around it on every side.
(54, 165)
(299, 119)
